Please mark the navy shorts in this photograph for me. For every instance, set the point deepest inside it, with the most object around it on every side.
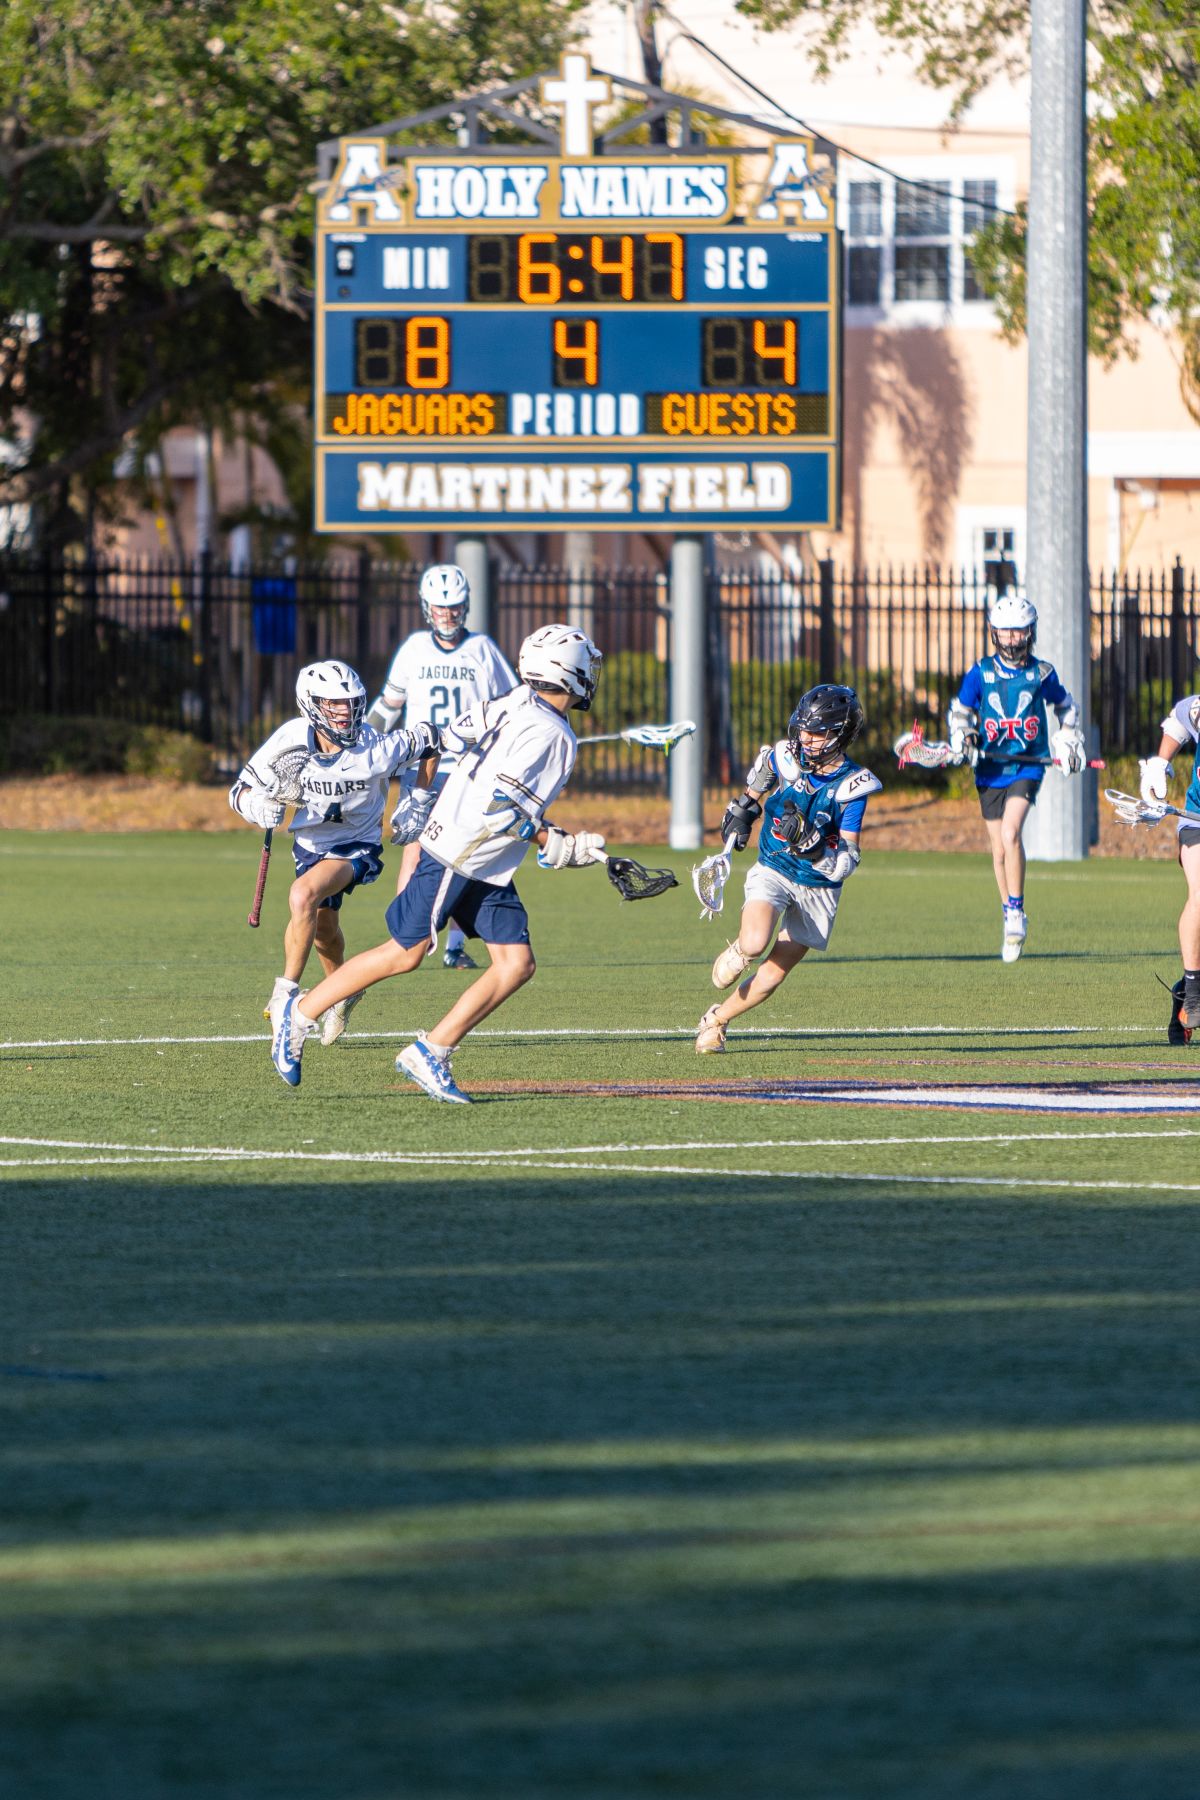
(366, 861)
(992, 799)
(495, 914)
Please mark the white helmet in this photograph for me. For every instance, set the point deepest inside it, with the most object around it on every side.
(1013, 612)
(446, 587)
(323, 682)
(562, 659)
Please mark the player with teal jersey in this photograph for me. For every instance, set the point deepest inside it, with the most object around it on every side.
(998, 723)
(811, 799)
(1180, 729)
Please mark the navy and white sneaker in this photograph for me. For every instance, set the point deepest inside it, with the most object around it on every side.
(287, 1046)
(433, 1073)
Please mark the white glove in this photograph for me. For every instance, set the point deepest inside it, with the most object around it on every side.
(1068, 749)
(412, 815)
(257, 805)
(564, 850)
(839, 864)
(1155, 772)
(964, 731)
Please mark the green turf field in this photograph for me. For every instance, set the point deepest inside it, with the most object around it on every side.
(589, 1443)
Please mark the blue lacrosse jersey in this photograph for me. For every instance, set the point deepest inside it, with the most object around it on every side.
(836, 801)
(1011, 703)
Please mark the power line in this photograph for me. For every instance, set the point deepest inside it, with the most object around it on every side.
(988, 206)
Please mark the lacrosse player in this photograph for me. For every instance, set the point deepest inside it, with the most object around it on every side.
(437, 674)
(513, 757)
(815, 798)
(998, 724)
(1182, 726)
(342, 783)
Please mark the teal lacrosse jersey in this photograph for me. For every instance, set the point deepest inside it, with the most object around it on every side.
(835, 802)
(1011, 704)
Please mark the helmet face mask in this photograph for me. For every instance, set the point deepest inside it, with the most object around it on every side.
(1012, 622)
(559, 659)
(827, 719)
(333, 700)
(445, 596)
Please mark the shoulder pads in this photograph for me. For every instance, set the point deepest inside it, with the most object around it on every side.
(1044, 669)
(787, 763)
(856, 786)
(763, 774)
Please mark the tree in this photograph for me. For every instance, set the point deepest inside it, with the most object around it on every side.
(1143, 143)
(156, 159)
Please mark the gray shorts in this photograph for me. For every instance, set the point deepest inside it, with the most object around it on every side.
(808, 912)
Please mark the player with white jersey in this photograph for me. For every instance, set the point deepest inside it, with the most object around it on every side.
(1181, 728)
(437, 674)
(811, 799)
(342, 767)
(513, 757)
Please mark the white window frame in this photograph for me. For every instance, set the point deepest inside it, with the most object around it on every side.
(953, 169)
(970, 523)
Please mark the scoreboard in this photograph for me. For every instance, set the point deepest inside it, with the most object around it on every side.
(554, 373)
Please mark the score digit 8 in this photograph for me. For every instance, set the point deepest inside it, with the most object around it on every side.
(427, 352)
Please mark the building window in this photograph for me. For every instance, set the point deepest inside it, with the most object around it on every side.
(911, 240)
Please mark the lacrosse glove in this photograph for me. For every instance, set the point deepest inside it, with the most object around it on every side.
(838, 865)
(739, 819)
(567, 850)
(1068, 749)
(257, 805)
(804, 837)
(964, 732)
(1155, 772)
(412, 815)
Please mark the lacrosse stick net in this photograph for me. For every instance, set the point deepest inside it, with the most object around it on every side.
(654, 737)
(912, 749)
(1132, 810)
(709, 878)
(635, 882)
(287, 769)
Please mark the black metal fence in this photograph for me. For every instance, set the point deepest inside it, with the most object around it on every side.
(213, 651)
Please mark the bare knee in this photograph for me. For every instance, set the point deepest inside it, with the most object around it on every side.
(515, 970)
(303, 905)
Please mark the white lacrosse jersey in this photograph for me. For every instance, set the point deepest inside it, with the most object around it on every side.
(513, 757)
(440, 685)
(344, 794)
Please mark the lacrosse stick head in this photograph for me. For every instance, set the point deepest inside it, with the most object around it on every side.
(708, 882)
(912, 751)
(1130, 810)
(904, 744)
(288, 768)
(660, 737)
(634, 882)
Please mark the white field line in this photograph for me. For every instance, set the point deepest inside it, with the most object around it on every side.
(633, 1031)
(484, 1161)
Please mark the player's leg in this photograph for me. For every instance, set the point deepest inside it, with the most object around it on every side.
(765, 981)
(1012, 824)
(1189, 927)
(318, 880)
(755, 930)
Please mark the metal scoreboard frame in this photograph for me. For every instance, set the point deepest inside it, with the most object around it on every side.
(578, 335)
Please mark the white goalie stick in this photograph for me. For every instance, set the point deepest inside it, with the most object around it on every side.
(709, 878)
(912, 750)
(287, 768)
(1131, 810)
(656, 737)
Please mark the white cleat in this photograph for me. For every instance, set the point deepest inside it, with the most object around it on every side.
(432, 1073)
(730, 965)
(333, 1021)
(281, 993)
(710, 1033)
(1016, 925)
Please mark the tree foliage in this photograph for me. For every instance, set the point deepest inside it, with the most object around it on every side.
(1143, 142)
(156, 161)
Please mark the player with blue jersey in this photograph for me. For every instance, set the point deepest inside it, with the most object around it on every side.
(998, 723)
(1180, 729)
(811, 799)
(437, 674)
(337, 827)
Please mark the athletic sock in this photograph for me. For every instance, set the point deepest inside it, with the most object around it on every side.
(1191, 989)
(455, 938)
(282, 984)
(441, 1051)
(1017, 901)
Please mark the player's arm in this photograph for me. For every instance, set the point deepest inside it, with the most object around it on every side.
(1067, 745)
(962, 717)
(1155, 770)
(253, 796)
(387, 709)
(740, 815)
(851, 796)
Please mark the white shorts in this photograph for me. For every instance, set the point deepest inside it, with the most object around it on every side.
(808, 912)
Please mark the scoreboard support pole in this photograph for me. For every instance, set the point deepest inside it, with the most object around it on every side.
(687, 691)
(471, 555)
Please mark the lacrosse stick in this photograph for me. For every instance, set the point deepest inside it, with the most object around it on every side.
(632, 880)
(1131, 810)
(912, 749)
(657, 737)
(709, 878)
(287, 769)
